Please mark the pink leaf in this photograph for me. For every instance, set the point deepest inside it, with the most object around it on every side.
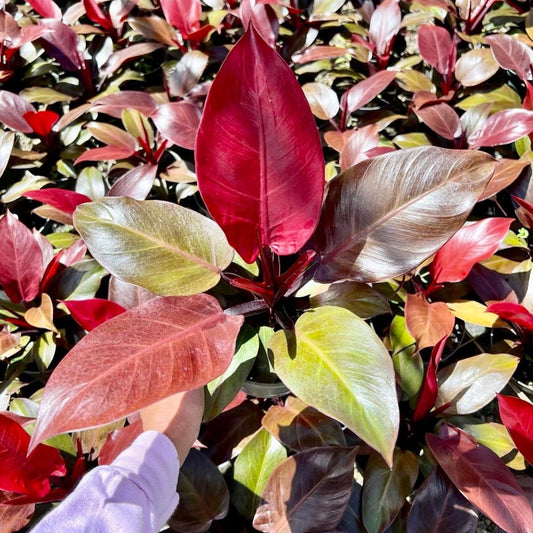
(470, 245)
(164, 346)
(62, 43)
(61, 199)
(117, 59)
(436, 47)
(46, 8)
(23, 474)
(482, 477)
(513, 313)
(442, 119)
(359, 143)
(183, 15)
(511, 54)
(114, 104)
(136, 183)
(263, 18)
(366, 90)
(384, 25)
(91, 313)
(21, 260)
(117, 441)
(502, 128)
(105, 153)
(257, 130)
(12, 109)
(429, 392)
(517, 417)
(178, 122)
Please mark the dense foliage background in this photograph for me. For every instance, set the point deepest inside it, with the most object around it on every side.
(394, 312)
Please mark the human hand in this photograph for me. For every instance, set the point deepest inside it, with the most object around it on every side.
(178, 417)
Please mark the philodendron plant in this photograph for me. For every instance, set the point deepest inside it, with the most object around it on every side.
(244, 274)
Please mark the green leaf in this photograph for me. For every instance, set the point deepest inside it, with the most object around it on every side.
(385, 489)
(163, 247)
(335, 362)
(252, 469)
(472, 383)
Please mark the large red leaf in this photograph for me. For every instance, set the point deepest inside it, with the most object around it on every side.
(135, 359)
(183, 15)
(470, 245)
(482, 478)
(91, 313)
(61, 199)
(512, 312)
(21, 260)
(436, 47)
(258, 155)
(517, 417)
(511, 54)
(319, 478)
(29, 475)
(502, 128)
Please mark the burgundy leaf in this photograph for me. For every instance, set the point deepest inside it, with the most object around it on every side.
(30, 474)
(62, 44)
(384, 25)
(12, 109)
(178, 122)
(91, 313)
(438, 507)
(114, 104)
(511, 54)
(105, 153)
(436, 47)
(135, 359)
(517, 417)
(502, 128)
(482, 478)
(183, 15)
(46, 8)
(490, 286)
(442, 119)
(428, 396)
(320, 478)
(470, 245)
(21, 260)
(366, 90)
(41, 122)
(61, 199)
(256, 131)
(136, 183)
(512, 312)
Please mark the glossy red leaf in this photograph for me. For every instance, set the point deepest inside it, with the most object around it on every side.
(439, 507)
(502, 128)
(365, 91)
(428, 396)
(258, 153)
(319, 478)
(41, 122)
(483, 478)
(517, 417)
(29, 475)
(442, 119)
(470, 245)
(61, 199)
(183, 15)
(46, 8)
(136, 183)
(91, 313)
(135, 359)
(436, 47)
(513, 312)
(105, 153)
(96, 14)
(178, 122)
(21, 260)
(511, 54)
(263, 18)
(12, 109)
(384, 25)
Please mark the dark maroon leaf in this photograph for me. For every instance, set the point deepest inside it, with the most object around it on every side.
(165, 346)
(21, 260)
(178, 122)
(308, 492)
(425, 196)
(517, 417)
(428, 396)
(436, 47)
(490, 286)
(442, 119)
(366, 90)
(513, 312)
(29, 475)
(61, 199)
(482, 478)
(438, 507)
(136, 183)
(91, 313)
(257, 130)
(511, 54)
(502, 128)
(12, 110)
(470, 245)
